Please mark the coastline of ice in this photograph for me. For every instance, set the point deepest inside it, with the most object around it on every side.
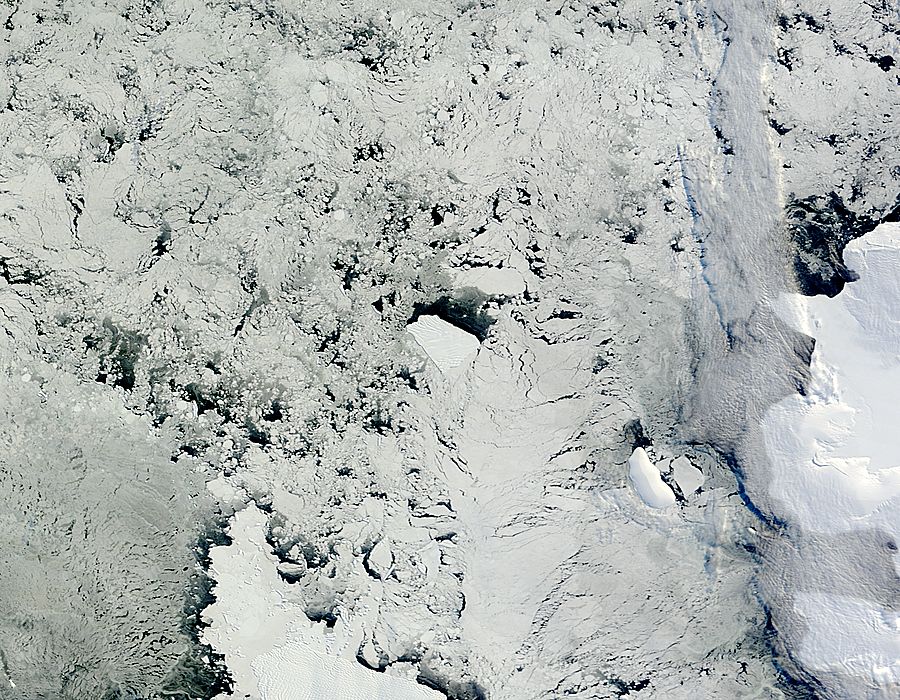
(836, 451)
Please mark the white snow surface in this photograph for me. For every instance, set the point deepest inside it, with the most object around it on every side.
(218, 219)
(836, 452)
(273, 651)
(852, 636)
(648, 481)
(493, 281)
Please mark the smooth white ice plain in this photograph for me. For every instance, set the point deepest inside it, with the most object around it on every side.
(835, 453)
(494, 281)
(850, 635)
(271, 648)
(446, 345)
(648, 481)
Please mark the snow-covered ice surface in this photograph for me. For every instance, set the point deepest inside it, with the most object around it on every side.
(687, 476)
(648, 481)
(836, 451)
(446, 345)
(347, 347)
(272, 649)
(835, 455)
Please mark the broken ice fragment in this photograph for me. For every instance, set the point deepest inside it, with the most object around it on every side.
(687, 476)
(318, 94)
(445, 344)
(291, 572)
(648, 482)
(272, 649)
(380, 560)
(493, 281)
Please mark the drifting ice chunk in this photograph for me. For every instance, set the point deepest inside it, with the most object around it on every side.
(687, 476)
(380, 559)
(447, 346)
(648, 482)
(493, 281)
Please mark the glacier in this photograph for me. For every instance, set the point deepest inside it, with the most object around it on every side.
(836, 467)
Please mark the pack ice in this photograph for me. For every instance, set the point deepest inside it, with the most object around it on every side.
(423, 349)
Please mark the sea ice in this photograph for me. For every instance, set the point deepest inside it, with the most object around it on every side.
(221, 279)
(687, 476)
(493, 281)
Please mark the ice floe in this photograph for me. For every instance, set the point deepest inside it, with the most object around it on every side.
(648, 481)
(272, 649)
(446, 345)
(493, 281)
(687, 476)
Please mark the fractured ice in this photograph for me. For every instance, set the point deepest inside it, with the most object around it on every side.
(440, 349)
